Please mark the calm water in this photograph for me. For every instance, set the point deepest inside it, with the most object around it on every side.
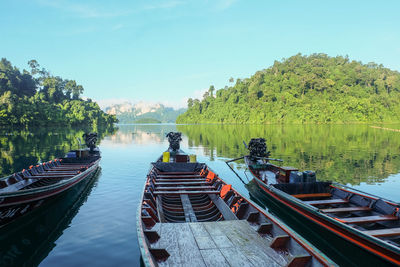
(95, 224)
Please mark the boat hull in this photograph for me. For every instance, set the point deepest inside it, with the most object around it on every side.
(19, 203)
(360, 251)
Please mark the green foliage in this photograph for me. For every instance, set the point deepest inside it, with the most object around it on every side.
(305, 89)
(27, 100)
(341, 153)
(21, 148)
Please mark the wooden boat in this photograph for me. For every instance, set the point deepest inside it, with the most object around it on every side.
(368, 222)
(23, 192)
(29, 241)
(188, 216)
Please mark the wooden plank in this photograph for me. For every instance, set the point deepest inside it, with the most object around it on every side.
(205, 242)
(383, 232)
(190, 216)
(235, 257)
(198, 229)
(178, 176)
(169, 241)
(185, 188)
(160, 211)
(222, 241)
(184, 192)
(312, 195)
(223, 207)
(347, 209)
(213, 257)
(327, 201)
(251, 244)
(177, 173)
(368, 219)
(181, 183)
(188, 249)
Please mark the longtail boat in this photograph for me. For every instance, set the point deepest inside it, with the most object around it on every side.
(29, 242)
(25, 191)
(188, 216)
(365, 221)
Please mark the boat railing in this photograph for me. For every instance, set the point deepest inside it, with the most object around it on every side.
(292, 198)
(348, 188)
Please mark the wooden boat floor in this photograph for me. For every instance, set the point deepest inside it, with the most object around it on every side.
(223, 243)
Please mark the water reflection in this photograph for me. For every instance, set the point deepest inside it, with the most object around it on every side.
(22, 148)
(30, 239)
(350, 154)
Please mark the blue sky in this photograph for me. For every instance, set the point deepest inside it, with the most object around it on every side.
(169, 50)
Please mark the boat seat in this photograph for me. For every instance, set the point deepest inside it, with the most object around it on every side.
(184, 192)
(179, 176)
(368, 219)
(223, 207)
(185, 188)
(182, 183)
(383, 232)
(312, 195)
(347, 209)
(327, 201)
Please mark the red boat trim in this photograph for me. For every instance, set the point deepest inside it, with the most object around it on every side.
(54, 191)
(339, 231)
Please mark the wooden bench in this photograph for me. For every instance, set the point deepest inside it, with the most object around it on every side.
(185, 188)
(347, 209)
(223, 207)
(312, 195)
(383, 232)
(179, 176)
(327, 201)
(184, 192)
(368, 219)
(179, 180)
(182, 183)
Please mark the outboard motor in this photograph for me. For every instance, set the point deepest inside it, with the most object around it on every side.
(174, 139)
(90, 140)
(258, 148)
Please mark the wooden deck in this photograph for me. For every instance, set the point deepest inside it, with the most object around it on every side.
(224, 243)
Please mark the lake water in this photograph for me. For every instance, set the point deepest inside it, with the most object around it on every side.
(95, 224)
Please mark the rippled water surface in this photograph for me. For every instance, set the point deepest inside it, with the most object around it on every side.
(95, 223)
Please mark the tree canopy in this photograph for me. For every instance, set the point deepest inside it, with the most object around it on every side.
(304, 89)
(38, 98)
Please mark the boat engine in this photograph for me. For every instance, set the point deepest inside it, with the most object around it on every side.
(174, 139)
(90, 140)
(258, 148)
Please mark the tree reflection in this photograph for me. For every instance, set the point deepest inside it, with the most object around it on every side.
(341, 153)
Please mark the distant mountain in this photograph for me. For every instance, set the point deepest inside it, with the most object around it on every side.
(143, 112)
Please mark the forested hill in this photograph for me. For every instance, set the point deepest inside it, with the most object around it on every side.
(304, 89)
(37, 98)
